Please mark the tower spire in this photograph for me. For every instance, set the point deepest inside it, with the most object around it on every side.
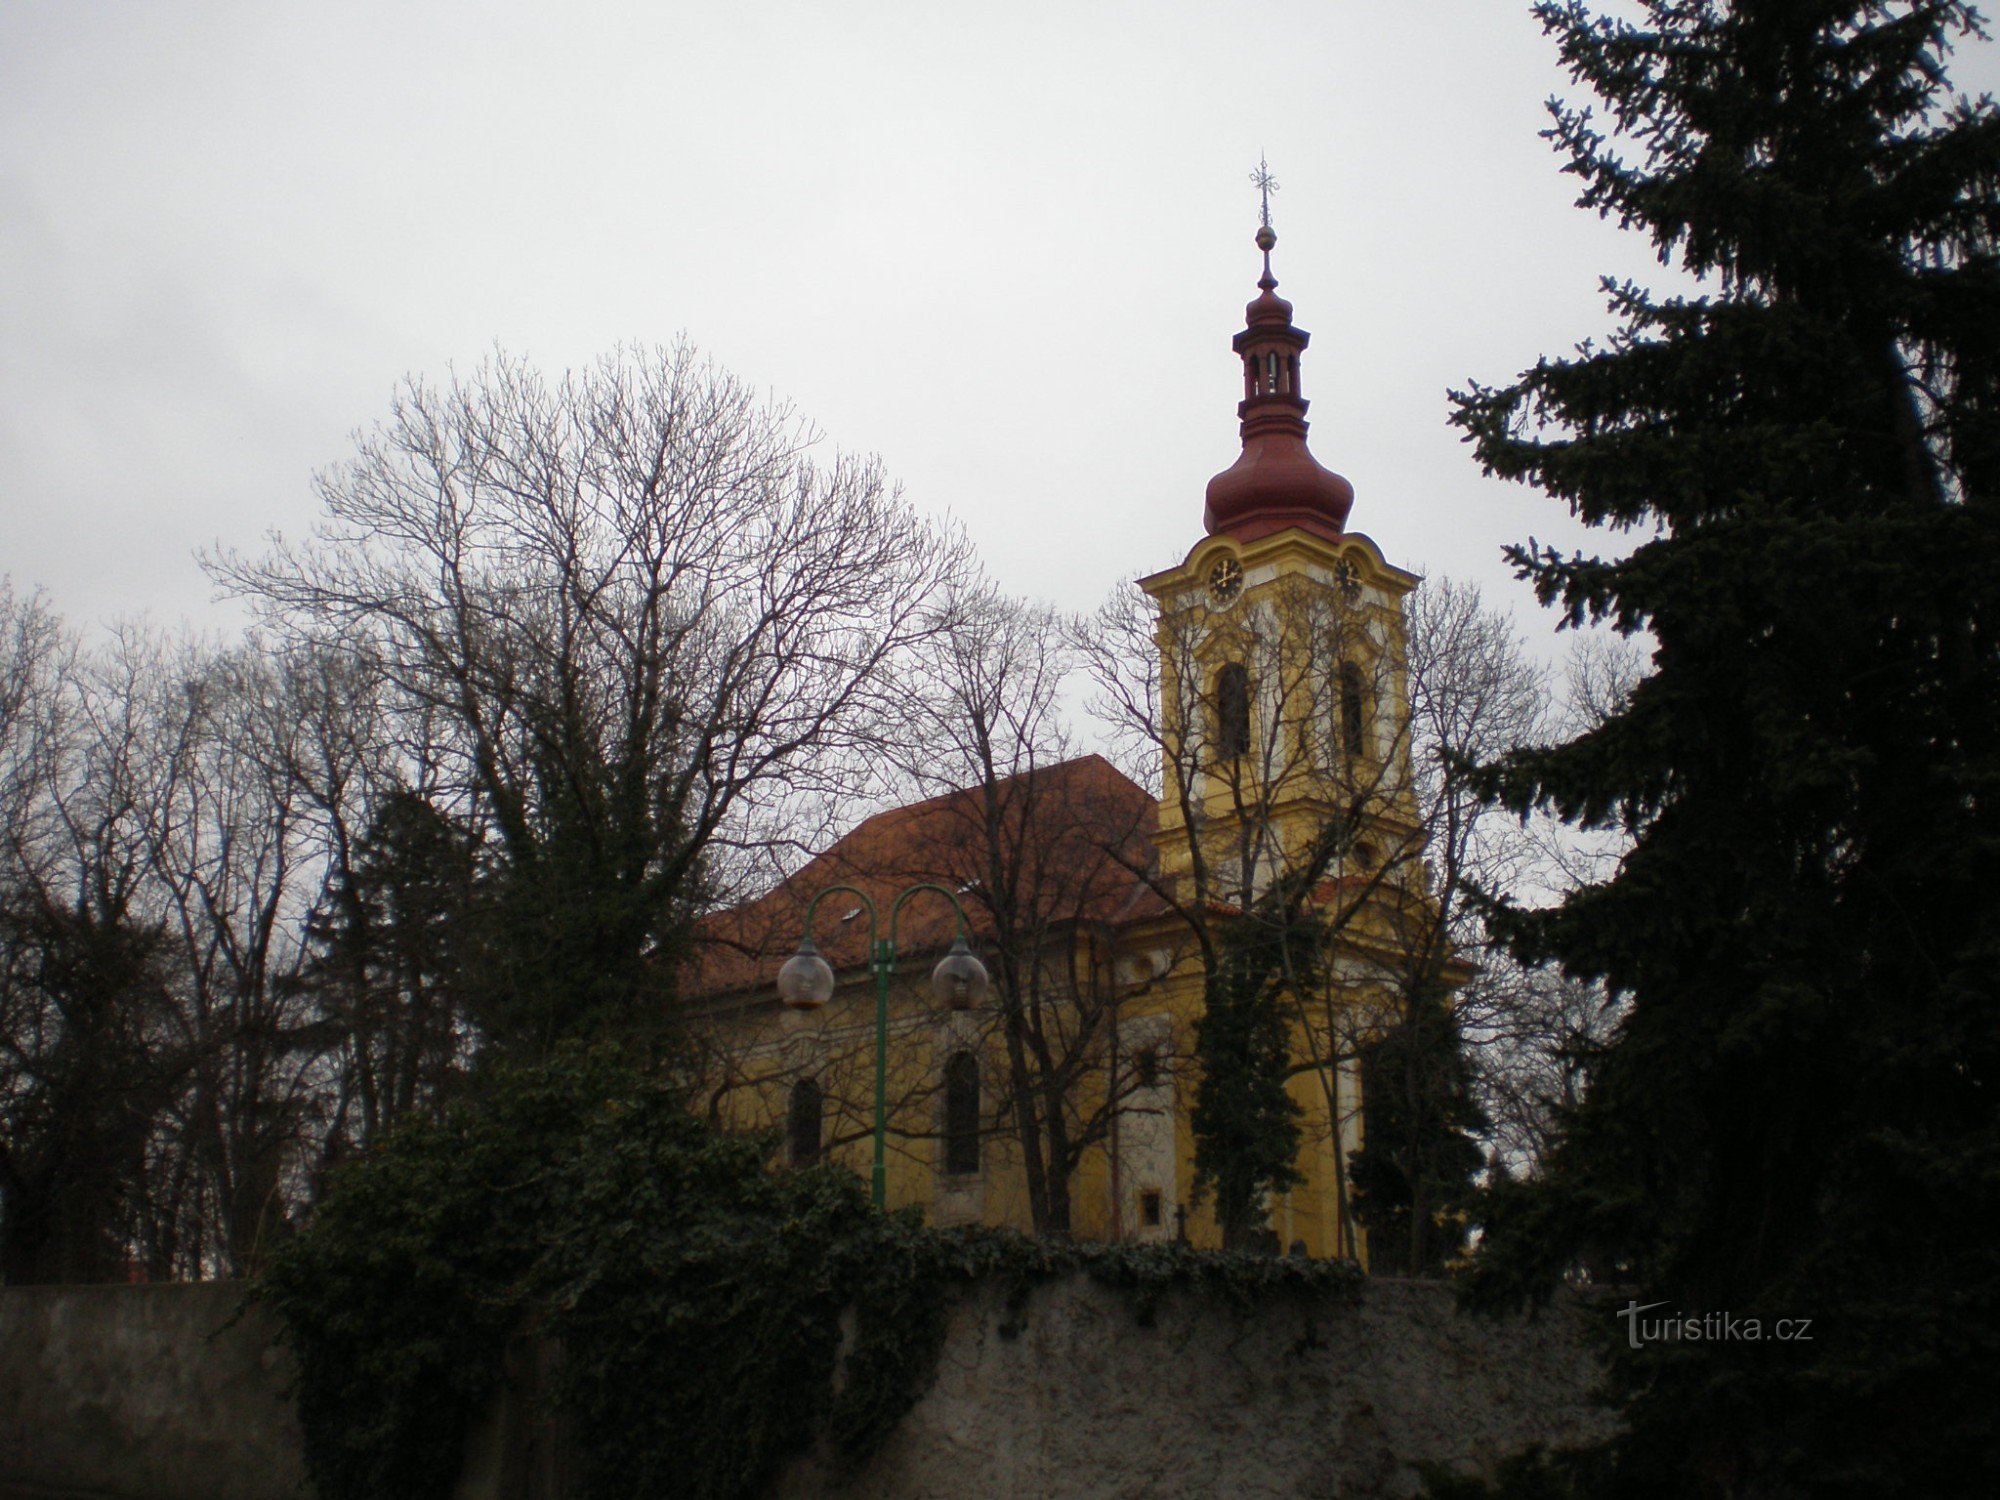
(1276, 482)
(1266, 184)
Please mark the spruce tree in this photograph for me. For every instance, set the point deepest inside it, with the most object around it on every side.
(1414, 1174)
(1245, 1121)
(397, 960)
(1797, 1118)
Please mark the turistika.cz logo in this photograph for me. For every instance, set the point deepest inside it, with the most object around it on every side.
(1707, 1328)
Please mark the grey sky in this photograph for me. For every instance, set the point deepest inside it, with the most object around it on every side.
(1005, 247)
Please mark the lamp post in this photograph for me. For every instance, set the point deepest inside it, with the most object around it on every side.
(805, 982)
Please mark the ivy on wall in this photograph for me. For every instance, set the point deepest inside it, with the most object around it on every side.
(696, 1293)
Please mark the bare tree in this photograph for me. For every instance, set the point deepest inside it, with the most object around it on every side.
(634, 627)
(1040, 843)
(1535, 1035)
(561, 663)
(164, 855)
(86, 1061)
(236, 862)
(1535, 1032)
(1474, 693)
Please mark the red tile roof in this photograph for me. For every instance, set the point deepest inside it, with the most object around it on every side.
(1051, 846)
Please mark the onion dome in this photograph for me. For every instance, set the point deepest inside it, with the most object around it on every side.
(1276, 482)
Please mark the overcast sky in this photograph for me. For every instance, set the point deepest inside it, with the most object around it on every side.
(1005, 247)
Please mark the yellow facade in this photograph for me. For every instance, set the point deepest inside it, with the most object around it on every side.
(1306, 606)
(1228, 823)
(1285, 773)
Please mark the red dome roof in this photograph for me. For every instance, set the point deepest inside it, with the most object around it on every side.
(1269, 308)
(1276, 482)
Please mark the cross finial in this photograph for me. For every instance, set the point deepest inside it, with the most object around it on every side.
(1266, 184)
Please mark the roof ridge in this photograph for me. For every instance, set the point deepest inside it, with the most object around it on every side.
(910, 809)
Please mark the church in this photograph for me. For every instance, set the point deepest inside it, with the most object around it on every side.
(986, 1003)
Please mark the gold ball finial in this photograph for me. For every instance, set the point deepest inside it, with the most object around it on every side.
(1266, 238)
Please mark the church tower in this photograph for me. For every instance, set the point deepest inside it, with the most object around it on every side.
(1282, 657)
(1283, 707)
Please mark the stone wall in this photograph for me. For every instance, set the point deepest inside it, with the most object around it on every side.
(1298, 1398)
(143, 1393)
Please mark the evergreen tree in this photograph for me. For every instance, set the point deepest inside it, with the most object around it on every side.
(396, 955)
(90, 1068)
(438, 949)
(1797, 1118)
(584, 924)
(1414, 1174)
(1245, 1123)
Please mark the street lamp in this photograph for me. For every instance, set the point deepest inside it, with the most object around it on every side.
(805, 982)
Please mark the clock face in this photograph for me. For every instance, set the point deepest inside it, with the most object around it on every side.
(1348, 577)
(1225, 581)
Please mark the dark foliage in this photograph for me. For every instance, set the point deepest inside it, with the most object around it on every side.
(1414, 1174)
(390, 950)
(1246, 1125)
(584, 935)
(441, 951)
(696, 1295)
(1798, 1116)
(90, 1071)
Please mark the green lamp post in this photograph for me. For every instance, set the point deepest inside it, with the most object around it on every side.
(805, 982)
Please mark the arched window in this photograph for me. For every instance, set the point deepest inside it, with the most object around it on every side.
(808, 1108)
(961, 1114)
(1351, 709)
(1232, 711)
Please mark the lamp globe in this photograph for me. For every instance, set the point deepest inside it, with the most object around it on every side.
(805, 982)
(959, 980)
